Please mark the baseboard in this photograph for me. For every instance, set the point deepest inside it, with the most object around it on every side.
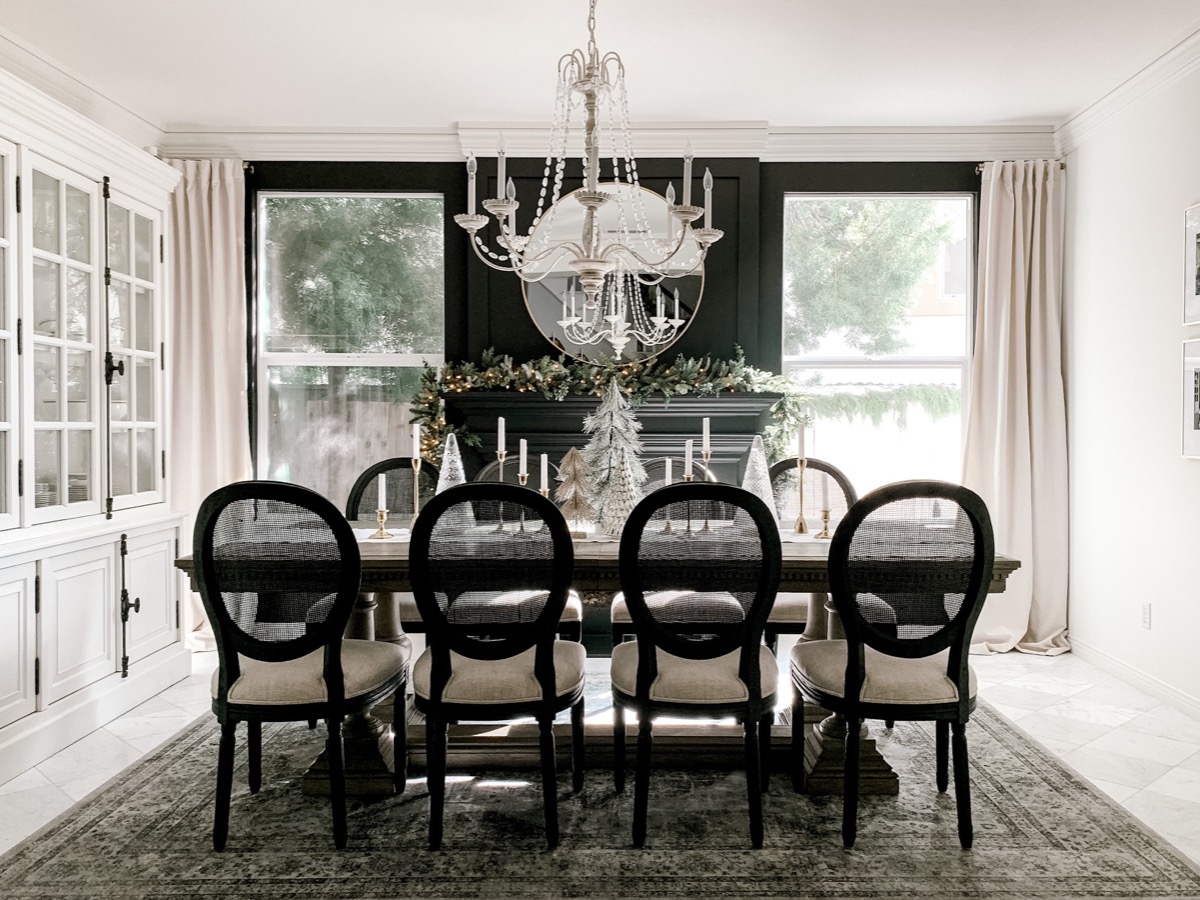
(38, 736)
(1139, 679)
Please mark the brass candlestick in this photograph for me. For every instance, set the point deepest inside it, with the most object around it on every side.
(824, 534)
(706, 455)
(545, 492)
(523, 479)
(801, 525)
(687, 532)
(382, 533)
(416, 467)
(501, 455)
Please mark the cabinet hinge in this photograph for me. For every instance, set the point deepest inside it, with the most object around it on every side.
(37, 676)
(107, 277)
(176, 612)
(108, 507)
(20, 478)
(20, 337)
(104, 189)
(124, 545)
(162, 356)
(37, 594)
(162, 249)
(164, 464)
(17, 194)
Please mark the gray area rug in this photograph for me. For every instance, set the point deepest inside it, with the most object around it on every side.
(1040, 832)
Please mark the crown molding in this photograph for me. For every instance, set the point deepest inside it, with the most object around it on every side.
(650, 139)
(31, 117)
(370, 145)
(896, 144)
(56, 82)
(1178, 62)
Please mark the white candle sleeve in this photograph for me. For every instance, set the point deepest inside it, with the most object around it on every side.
(800, 444)
(705, 445)
(416, 451)
(687, 457)
(668, 473)
(521, 470)
(382, 492)
(545, 472)
(500, 434)
(687, 176)
(471, 167)
(708, 184)
(824, 492)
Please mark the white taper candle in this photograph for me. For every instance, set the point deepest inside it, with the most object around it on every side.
(545, 473)
(521, 470)
(687, 457)
(500, 434)
(382, 504)
(705, 443)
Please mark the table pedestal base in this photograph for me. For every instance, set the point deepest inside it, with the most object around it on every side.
(825, 760)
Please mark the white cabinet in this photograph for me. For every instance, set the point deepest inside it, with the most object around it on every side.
(17, 642)
(79, 624)
(89, 622)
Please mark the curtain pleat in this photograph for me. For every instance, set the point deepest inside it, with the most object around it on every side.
(1015, 454)
(210, 441)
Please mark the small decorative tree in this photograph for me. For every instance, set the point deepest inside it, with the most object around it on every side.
(757, 479)
(574, 493)
(613, 457)
(451, 474)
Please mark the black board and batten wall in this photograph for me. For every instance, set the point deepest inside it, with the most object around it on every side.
(742, 301)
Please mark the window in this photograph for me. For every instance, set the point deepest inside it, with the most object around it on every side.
(350, 308)
(876, 309)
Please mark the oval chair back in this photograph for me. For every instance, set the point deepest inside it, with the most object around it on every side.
(785, 485)
(363, 499)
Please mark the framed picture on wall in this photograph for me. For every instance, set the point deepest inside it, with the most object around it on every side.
(1191, 399)
(1191, 266)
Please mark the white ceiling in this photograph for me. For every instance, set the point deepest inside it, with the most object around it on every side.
(211, 65)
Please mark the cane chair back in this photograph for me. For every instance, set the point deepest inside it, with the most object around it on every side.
(363, 499)
(820, 479)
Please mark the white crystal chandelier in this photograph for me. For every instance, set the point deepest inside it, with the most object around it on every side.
(609, 263)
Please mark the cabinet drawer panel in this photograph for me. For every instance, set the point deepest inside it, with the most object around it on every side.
(78, 620)
(17, 643)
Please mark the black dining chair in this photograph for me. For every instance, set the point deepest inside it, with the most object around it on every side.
(363, 501)
(656, 477)
(278, 570)
(909, 568)
(821, 479)
(699, 606)
(491, 601)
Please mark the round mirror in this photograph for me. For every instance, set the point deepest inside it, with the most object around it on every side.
(637, 313)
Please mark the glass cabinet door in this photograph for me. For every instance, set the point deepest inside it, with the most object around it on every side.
(135, 345)
(62, 279)
(9, 453)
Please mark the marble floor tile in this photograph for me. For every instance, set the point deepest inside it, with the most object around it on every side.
(28, 810)
(1091, 711)
(1168, 722)
(100, 753)
(1166, 815)
(1118, 694)
(1132, 742)
(1021, 697)
(1192, 763)
(1180, 783)
(1012, 713)
(1050, 683)
(1057, 747)
(1044, 725)
(1117, 768)
(1118, 792)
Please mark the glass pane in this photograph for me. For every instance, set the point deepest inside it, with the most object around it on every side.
(143, 232)
(353, 274)
(45, 297)
(79, 225)
(118, 314)
(118, 239)
(145, 318)
(79, 385)
(79, 466)
(118, 394)
(45, 467)
(122, 472)
(145, 460)
(329, 423)
(145, 390)
(79, 305)
(45, 212)
(46, 382)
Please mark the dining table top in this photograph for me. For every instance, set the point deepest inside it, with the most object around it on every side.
(803, 564)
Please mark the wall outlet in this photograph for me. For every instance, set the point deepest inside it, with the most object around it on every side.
(1146, 615)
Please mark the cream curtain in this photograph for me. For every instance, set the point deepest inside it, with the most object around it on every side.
(1016, 442)
(210, 440)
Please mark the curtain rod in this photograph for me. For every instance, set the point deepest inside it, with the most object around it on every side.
(979, 167)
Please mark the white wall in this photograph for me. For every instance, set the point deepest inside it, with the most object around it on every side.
(1135, 502)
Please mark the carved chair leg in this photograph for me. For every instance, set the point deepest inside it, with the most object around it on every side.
(962, 785)
(942, 754)
(577, 760)
(850, 788)
(754, 781)
(254, 744)
(400, 740)
(337, 780)
(618, 746)
(435, 774)
(549, 779)
(641, 782)
(224, 784)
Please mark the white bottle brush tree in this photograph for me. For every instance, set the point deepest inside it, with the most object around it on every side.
(574, 492)
(613, 457)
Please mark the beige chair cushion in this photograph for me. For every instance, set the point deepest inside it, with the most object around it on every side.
(504, 680)
(365, 666)
(619, 610)
(791, 609)
(890, 679)
(692, 680)
(573, 612)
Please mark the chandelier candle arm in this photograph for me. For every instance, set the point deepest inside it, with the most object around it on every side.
(687, 175)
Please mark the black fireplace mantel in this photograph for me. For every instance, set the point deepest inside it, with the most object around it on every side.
(554, 426)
